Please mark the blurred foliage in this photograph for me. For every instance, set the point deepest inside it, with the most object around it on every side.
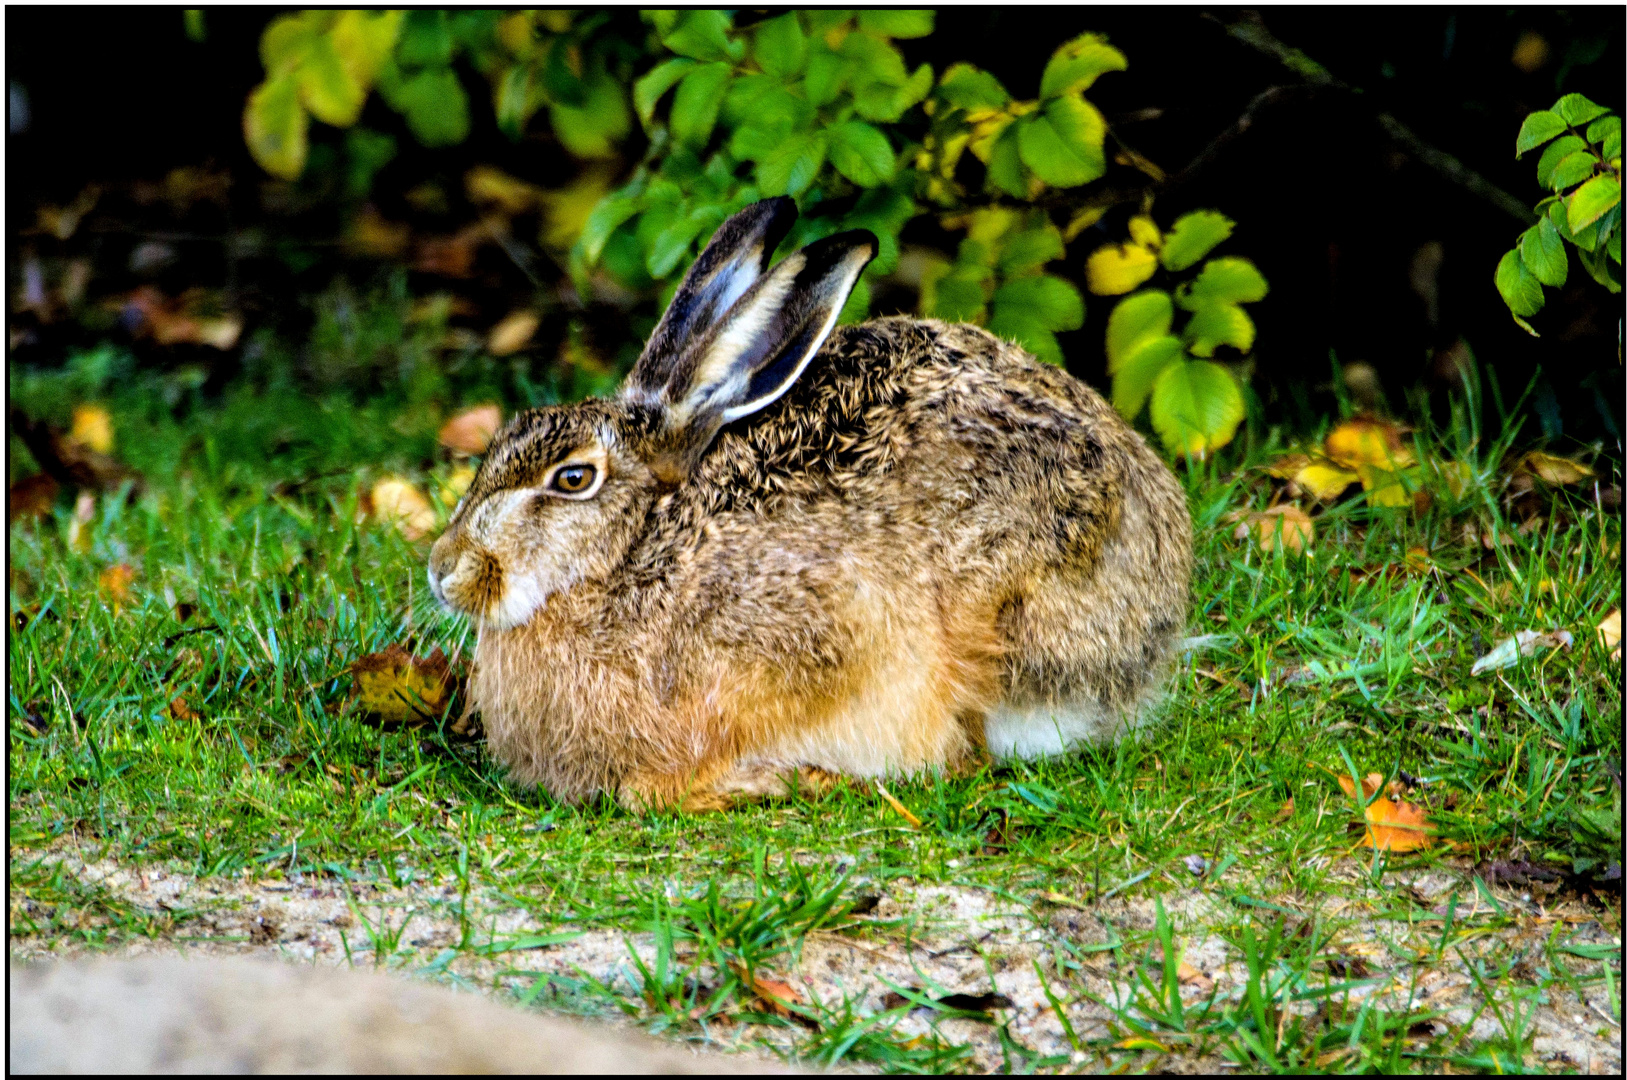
(820, 105)
(1581, 164)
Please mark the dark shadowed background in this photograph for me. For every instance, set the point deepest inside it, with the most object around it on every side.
(1373, 255)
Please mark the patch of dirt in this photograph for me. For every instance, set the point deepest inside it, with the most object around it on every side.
(935, 939)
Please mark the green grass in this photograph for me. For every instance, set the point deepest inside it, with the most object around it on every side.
(1346, 659)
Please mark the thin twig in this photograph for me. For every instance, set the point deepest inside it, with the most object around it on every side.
(1251, 31)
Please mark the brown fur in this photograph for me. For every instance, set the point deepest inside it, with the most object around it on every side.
(927, 524)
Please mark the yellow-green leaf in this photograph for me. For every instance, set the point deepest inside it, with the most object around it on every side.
(1118, 268)
(1219, 324)
(1076, 65)
(1138, 372)
(275, 126)
(1135, 321)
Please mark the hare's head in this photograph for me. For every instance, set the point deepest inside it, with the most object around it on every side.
(563, 491)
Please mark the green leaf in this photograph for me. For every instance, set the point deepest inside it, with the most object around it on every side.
(1048, 301)
(1019, 326)
(1139, 369)
(1590, 201)
(287, 37)
(857, 307)
(1213, 325)
(426, 39)
(959, 296)
(703, 34)
(1553, 153)
(1077, 64)
(1228, 280)
(1572, 169)
(1538, 128)
(827, 75)
(1543, 253)
(648, 91)
(327, 88)
(275, 127)
(781, 47)
(897, 22)
(604, 220)
(435, 106)
(674, 242)
(862, 154)
(1063, 146)
(1602, 130)
(1030, 249)
(791, 168)
(881, 100)
(700, 96)
(1136, 320)
(1196, 406)
(1192, 237)
(1520, 289)
(1005, 168)
(965, 87)
(1576, 110)
(1584, 239)
(591, 130)
(1597, 265)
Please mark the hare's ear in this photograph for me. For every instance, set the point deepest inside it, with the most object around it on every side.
(732, 262)
(757, 350)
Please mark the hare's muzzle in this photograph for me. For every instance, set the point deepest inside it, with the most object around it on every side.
(461, 578)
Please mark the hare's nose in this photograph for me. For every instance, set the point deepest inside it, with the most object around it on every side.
(443, 561)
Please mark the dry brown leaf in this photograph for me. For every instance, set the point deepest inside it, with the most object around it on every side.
(512, 333)
(1391, 825)
(32, 496)
(1286, 466)
(180, 710)
(1609, 631)
(371, 236)
(1287, 525)
(471, 431)
(92, 428)
(775, 993)
(176, 322)
(1285, 812)
(1553, 469)
(115, 582)
(1367, 441)
(452, 256)
(393, 687)
(396, 501)
(1191, 976)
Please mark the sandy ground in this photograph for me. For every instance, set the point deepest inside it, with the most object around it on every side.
(951, 939)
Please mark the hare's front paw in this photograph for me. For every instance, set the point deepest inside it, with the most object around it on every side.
(734, 787)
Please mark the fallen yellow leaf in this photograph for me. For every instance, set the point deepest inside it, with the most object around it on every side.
(512, 333)
(1323, 480)
(487, 186)
(1385, 487)
(393, 687)
(456, 483)
(115, 581)
(1609, 630)
(1286, 526)
(1392, 825)
(1118, 268)
(1554, 469)
(1367, 441)
(398, 502)
(471, 431)
(92, 428)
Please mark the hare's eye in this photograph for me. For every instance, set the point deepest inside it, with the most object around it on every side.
(573, 479)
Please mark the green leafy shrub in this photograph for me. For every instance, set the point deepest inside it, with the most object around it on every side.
(324, 64)
(1581, 165)
(1195, 404)
(819, 105)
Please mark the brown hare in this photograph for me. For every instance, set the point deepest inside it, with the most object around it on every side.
(788, 549)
